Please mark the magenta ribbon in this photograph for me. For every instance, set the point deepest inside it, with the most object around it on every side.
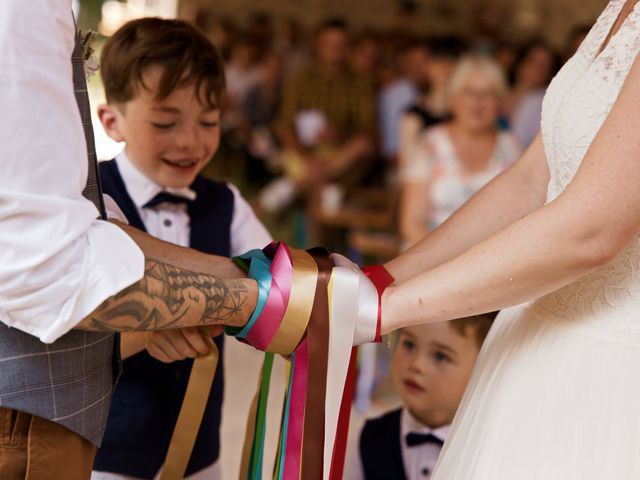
(282, 272)
(295, 424)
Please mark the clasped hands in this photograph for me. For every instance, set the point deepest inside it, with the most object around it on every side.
(179, 344)
(362, 304)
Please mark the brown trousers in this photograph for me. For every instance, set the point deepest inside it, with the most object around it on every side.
(32, 448)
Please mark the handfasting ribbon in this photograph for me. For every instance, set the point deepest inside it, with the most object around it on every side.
(342, 290)
(257, 264)
(367, 329)
(337, 307)
(259, 271)
(253, 449)
(292, 444)
(381, 278)
(354, 323)
(296, 316)
(281, 269)
(287, 340)
(340, 445)
(318, 341)
(193, 406)
(279, 328)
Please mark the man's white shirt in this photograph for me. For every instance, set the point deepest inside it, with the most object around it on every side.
(57, 261)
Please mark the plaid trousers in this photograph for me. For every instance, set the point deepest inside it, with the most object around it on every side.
(70, 381)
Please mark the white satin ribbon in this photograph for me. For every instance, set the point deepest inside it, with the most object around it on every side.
(353, 316)
(367, 302)
(343, 314)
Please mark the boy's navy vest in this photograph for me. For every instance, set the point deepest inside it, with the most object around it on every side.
(149, 394)
(380, 448)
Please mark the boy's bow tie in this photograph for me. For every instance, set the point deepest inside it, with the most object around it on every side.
(166, 197)
(415, 439)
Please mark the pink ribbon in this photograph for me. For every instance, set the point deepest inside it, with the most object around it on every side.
(282, 272)
(298, 397)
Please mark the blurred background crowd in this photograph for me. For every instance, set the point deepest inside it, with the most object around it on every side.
(364, 139)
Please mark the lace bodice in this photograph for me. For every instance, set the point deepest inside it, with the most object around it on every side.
(579, 98)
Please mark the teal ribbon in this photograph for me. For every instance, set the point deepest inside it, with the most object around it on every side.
(256, 264)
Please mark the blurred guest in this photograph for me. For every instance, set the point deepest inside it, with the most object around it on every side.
(432, 105)
(363, 57)
(260, 31)
(223, 34)
(260, 109)
(327, 117)
(535, 66)
(390, 46)
(242, 75)
(290, 43)
(398, 96)
(460, 156)
(533, 71)
(506, 55)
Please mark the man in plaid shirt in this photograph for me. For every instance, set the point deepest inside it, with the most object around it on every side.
(327, 117)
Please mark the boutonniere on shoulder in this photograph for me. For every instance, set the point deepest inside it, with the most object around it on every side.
(91, 63)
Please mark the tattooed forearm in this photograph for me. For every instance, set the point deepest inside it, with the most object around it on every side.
(173, 297)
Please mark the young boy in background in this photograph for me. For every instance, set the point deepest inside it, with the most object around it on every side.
(163, 82)
(430, 368)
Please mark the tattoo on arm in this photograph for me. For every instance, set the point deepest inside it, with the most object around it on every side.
(171, 297)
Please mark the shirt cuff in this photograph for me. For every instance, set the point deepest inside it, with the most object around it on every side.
(111, 261)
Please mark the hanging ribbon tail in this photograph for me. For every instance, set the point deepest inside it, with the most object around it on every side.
(251, 460)
(340, 447)
(318, 343)
(191, 413)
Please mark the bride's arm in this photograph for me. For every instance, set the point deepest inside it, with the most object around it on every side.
(596, 216)
(513, 194)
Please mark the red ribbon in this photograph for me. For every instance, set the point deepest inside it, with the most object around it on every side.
(381, 278)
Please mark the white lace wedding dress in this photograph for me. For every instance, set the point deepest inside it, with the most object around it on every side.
(556, 391)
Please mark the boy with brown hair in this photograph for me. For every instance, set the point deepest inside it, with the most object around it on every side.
(164, 81)
(430, 367)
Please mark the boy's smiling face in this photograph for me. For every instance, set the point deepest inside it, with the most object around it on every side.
(430, 369)
(168, 140)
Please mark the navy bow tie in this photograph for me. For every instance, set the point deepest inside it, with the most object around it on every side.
(166, 197)
(415, 439)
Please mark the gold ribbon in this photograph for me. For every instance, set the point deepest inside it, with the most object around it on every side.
(193, 406)
(296, 316)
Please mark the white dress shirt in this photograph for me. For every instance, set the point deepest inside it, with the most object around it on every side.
(419, 461)
(170, 221)
(57, 261)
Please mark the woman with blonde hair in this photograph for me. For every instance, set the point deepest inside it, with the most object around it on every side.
(457, 158)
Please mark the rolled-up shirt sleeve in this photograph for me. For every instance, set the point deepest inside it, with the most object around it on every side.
(58, 262)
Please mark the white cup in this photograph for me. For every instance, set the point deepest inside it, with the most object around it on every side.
(332, 196)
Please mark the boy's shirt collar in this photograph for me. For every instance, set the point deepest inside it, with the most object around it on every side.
(141, 189)
(410, 424)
